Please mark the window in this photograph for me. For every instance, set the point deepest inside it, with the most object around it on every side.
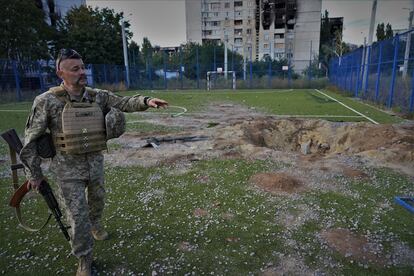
(279, 45)
(266, 46)
(278, 36)
(238, 40)
(266, 37)
(227, 5)
(216, 14)
(249, 31)
(207, 32)
(238, 31)
(280, 5)
(238, 22)
(238, 3)
(279, 55)
(279, 26)
(215, 5)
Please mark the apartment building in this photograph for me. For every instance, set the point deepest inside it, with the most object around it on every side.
(259, 28)
(55, 9)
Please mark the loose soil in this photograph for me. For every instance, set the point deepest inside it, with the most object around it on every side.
(315, 153)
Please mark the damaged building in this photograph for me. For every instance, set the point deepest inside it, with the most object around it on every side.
(258, 29)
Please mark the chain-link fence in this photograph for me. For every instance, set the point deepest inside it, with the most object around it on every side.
(22, 80)
(381, 73)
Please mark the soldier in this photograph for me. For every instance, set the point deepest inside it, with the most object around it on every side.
(80, 120)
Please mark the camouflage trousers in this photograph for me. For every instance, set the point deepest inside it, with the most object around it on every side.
(81, 194)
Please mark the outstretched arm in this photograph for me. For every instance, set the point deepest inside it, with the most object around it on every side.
(157, 103)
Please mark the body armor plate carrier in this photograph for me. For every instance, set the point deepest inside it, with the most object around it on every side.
(83, 129)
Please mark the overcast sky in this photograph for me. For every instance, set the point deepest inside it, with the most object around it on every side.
(163, 21)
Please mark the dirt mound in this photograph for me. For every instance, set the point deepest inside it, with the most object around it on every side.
(276, 182)
(353, 246)
(385, 143)
(353, 173)
(200, 213)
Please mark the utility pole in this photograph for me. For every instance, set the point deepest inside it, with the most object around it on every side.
(408, 44)
(370, 37)
(124, 42)
(225, 56)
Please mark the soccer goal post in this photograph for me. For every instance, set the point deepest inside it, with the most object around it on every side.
(212, 75)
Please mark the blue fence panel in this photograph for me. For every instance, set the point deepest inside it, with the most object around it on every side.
(381, 73)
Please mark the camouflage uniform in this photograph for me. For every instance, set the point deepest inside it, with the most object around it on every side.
(80, 177)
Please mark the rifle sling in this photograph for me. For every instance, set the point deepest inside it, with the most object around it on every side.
(15, 144)
(23, 225)
(15, 203)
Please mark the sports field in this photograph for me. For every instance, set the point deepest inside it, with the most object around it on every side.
(256, 197)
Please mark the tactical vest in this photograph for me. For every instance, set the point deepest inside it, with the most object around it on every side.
(83, 125)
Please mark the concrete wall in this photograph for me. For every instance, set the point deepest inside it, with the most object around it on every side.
(193, 20)
(307, 29)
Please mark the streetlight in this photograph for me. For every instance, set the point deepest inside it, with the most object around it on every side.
(125, 48)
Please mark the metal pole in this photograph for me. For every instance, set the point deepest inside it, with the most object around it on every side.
(214, 58)
(198, 69)
(165, 69)
(181, 68)
(225, 59)
(378, 72)
(124, 42)
(367, 70)
(232, 58)
(17, 81)
(408, 45)
(269, 74)
(41, 82)
(394, 71)
(411, 107)
(310, 62)
(244, 64)
(251, 68)
(370, 37)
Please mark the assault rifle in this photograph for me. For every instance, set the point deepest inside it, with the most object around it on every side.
(48, 196)
(15, 146)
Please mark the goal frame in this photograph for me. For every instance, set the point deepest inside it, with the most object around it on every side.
(233, 78)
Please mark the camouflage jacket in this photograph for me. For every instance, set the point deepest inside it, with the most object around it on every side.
(46, 115)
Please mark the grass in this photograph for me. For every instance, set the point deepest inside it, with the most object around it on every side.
(150, 216)
(150, 212)
(279, 102)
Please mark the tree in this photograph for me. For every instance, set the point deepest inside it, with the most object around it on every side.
(24, 34)
(380, 32)
(384, 31)
(95, 33)
(389, 33)
(146, 48)
(135, 58)
(331, 43)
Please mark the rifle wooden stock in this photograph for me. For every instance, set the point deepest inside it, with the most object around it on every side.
(13, 140)
(19, 194)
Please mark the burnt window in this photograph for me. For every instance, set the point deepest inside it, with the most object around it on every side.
(238, 22)
(238, 3)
